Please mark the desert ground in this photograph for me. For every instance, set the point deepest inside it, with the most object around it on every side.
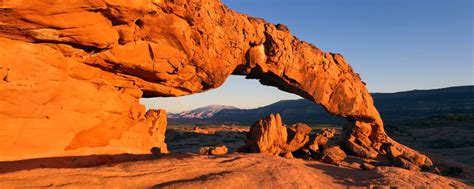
(185, 168)
(226, 171)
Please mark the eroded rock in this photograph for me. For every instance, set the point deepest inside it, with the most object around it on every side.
(366, 166)
(404, 163)
(209, 150)
(270, 136)
(333, 155)
(298, 136)
(320, 139)
(73, 71)
(158, 121)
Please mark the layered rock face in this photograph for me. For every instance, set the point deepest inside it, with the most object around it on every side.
(270, 136)
(72, 72)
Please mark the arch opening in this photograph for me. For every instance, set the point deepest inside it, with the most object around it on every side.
(222, 116)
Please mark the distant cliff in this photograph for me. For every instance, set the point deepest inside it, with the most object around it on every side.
(392, 106)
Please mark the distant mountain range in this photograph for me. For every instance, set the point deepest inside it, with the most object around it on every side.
(393, 107)
(200, 113)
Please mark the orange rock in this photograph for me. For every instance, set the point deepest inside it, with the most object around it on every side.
(268, 135)
(220, 150)
(158, 121)
(298, 136)
(320, 139)
(405, 163)
(73, 71)
(333, 155)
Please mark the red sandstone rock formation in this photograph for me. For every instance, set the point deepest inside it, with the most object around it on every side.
(72, 72)
(298, 136)
(270, 136)
(319, 140)
(333, 155)
(211, 150)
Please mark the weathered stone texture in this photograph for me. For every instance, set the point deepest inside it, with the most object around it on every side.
(72, 71)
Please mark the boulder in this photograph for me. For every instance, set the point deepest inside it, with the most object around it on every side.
(298, 136)
(320, 139)
(390, 150)
(405, 163)
(361, 150)
(333, 155)
(205, 150)
(366, 166)
(220, 150)
(327, 132)
(268, 135)
(288, 155)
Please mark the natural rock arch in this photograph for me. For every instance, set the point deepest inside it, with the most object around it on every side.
(64, 62)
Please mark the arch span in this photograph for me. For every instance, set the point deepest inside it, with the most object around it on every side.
(106, 54)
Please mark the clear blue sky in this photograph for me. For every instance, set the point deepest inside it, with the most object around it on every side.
(395, 45)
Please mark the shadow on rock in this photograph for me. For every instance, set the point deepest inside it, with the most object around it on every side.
(78, 161)
(191, 180)
(346, 176)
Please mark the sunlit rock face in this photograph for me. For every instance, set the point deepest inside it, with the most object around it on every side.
(72, 71)
(270, 136)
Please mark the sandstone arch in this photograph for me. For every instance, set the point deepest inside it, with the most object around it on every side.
(74, 70)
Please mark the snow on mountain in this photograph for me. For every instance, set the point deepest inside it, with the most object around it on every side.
(200, 113)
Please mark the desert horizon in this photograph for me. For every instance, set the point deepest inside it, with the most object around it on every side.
(230, 106)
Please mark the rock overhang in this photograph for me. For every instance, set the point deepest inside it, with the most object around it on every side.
(152, 48)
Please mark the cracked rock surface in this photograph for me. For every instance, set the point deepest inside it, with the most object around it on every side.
(73, 72)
